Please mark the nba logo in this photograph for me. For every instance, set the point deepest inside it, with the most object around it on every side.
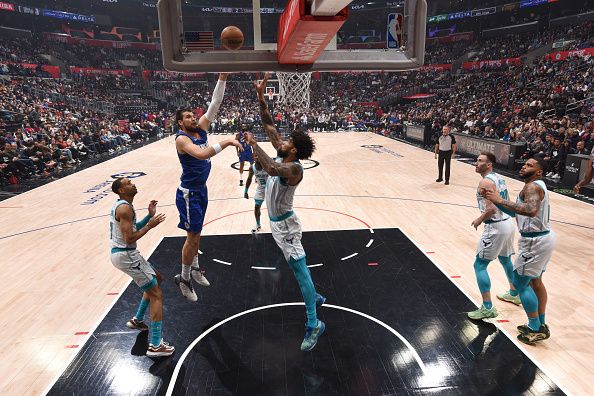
(394, 31)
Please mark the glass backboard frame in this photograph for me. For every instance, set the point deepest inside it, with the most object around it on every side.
(264, 57)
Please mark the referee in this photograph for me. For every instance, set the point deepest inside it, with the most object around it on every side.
(445, 148)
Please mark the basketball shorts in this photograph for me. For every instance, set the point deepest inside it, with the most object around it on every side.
(246, 156)
(132, 263)
(497, 240)
(534, 253)
(191, 205)
(287, 235)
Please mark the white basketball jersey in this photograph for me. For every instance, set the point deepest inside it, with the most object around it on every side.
(279, 194)
(540, 222)
(501, 189)
(115, 231)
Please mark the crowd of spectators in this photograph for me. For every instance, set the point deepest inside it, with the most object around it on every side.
(548, 106)
(40, 137)
(48, 125)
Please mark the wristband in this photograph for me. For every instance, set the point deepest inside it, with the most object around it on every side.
(217, 148)
(245, 190)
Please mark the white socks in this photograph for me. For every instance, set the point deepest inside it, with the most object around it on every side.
(187, 268)
(185, 272)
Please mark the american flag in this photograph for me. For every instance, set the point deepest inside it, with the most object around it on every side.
(199, 41)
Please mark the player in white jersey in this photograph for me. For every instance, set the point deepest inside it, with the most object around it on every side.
(260, 175)
(496, 241)
(535, 247)
(124, 232)
(285, 173)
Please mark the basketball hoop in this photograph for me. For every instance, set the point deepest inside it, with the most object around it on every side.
(294, 89)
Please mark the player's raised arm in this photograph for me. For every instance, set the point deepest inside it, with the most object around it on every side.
(267, 121)
(215, 103)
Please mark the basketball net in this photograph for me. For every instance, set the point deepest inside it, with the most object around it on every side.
(294, 89)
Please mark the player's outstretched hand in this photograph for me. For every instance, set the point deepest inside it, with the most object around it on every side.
(237, 145)
(155, 221)
(152, 208)
(261, 85)
(476, 223)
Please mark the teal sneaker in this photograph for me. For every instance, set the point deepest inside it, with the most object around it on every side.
(312, 334)
(320, 300)
(483, 313)
(509, 298)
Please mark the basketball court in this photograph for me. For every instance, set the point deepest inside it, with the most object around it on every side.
(391, 250)
(398, 278)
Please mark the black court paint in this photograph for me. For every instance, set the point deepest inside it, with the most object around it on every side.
(258, 353)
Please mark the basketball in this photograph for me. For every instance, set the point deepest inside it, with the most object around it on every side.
(232, 38)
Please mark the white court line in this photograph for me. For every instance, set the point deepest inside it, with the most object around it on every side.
(264, 268)
(369, 243)
(183, 357)
(221, 261)
(87, 336)
(513, 339)
(200, 251)
(371, 230)
(315, 265)
(348, 257)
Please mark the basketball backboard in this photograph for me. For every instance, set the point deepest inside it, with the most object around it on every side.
(387, 35)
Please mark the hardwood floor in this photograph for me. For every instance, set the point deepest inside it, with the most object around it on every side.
(59, 282)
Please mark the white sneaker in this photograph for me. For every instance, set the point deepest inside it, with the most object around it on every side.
(549, 174)
(256, 229)
(556, 176)
(186, 288)
(199, 277)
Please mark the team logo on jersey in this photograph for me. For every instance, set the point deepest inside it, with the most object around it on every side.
(527, 257)
(289, 240)
(487, 242)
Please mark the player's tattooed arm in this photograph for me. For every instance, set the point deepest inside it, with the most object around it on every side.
(267, 121)
(291, 171)
(532, 198)
(268, 124)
